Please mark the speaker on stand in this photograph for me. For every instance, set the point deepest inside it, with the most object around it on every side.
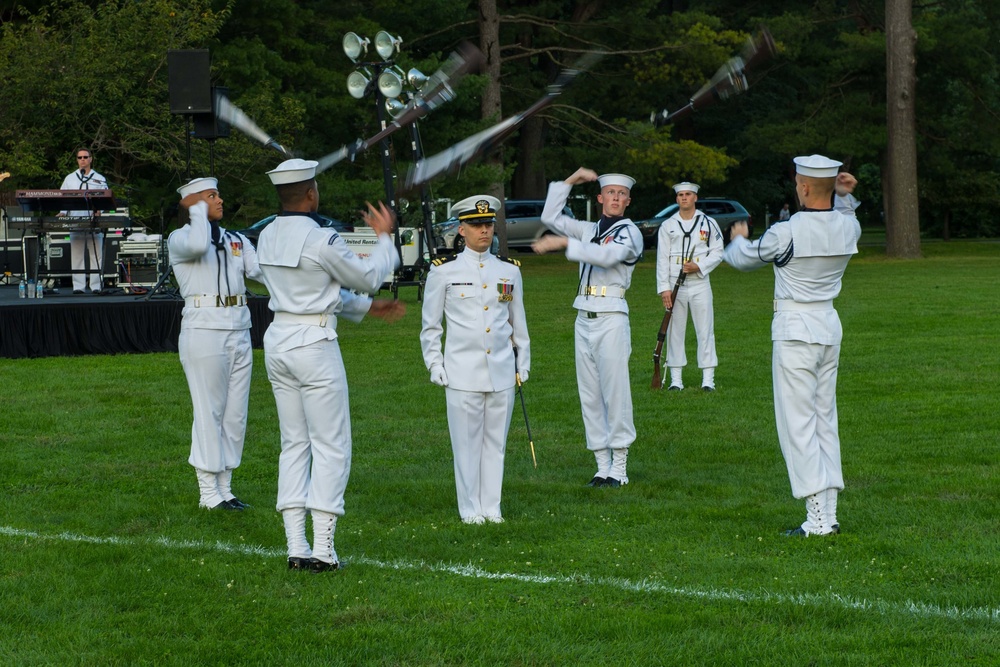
(191, 95)
(189, 81)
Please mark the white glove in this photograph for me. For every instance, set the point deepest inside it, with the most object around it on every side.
(438, 376)
(524, 376)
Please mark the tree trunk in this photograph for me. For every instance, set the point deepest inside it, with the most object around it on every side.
(489, 44)
(902, 212)
(528, 181)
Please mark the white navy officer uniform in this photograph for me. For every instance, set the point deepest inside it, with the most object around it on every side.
(480, 297)
(310, 272)
(214, 343)
(607, 252)
(84, 243)
(809, 253)
(675, 242)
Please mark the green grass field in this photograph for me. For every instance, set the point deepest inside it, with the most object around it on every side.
(105, 558)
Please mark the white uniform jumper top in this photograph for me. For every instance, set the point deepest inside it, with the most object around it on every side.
(309, 271)
(810, 253)
(603, 337)
(214, 343)
(675, 241)
(83, 244)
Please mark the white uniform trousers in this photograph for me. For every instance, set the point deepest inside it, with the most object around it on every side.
(310, 390)
(603, 348)
(694, 297)
(478, 423)
(218, 365)
(805, 410)
(83, 246)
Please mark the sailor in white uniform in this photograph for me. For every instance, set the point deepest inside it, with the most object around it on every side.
(210, 265)
(810, 253)
(86, 245)
(607, 252)
(481, 299)
(689, 241)
(309, 272)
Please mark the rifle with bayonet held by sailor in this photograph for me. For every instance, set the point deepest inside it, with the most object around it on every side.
(661, 336)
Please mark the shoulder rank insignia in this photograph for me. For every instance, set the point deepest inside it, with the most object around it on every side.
(509, 260)
(444, 260)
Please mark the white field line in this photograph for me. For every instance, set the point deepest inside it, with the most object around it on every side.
(885, 607)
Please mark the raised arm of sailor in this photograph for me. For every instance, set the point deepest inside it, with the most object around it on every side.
(553, 216)
(191, 241)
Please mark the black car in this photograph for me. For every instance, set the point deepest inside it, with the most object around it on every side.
(253, 231)
(723, 211)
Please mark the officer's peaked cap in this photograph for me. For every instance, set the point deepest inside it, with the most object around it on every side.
(477, 209)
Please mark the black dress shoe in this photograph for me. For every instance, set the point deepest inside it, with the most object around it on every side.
(237, 504)
(78, 291)
(597, 481)
(224, 505)
(298, 563)
(708, 388)
(673, 387)
(612, 482)
(317, 566)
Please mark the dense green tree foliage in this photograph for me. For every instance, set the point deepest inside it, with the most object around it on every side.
(77, 72)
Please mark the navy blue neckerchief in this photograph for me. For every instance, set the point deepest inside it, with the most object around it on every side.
(605, 225)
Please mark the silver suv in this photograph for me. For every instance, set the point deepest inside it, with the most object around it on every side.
(723, 211)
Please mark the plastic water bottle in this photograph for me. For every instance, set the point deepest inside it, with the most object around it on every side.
(39, 289)
(22, 290)
(31, 288)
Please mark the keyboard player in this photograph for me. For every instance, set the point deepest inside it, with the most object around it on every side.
(86, 245)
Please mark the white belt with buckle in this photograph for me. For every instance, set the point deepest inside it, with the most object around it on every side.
(782, 305)
(611, 291)
(316, 320)
(214, 301)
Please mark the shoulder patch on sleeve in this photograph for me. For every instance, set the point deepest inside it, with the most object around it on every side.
(333, 237)
(444, 260)
(509, 260)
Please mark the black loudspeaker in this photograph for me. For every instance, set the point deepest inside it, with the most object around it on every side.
(189, 80)
(208, 125)
(11, 256)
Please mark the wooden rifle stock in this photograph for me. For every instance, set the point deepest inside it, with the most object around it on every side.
(661, 336)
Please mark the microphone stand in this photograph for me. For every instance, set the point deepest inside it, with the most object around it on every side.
(7, 275)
